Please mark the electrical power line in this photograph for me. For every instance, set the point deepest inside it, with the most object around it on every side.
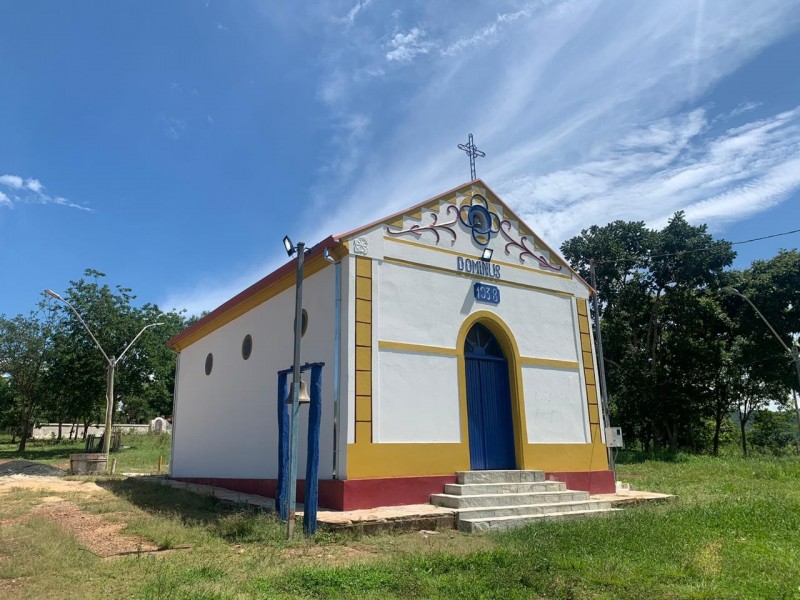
(706, 249)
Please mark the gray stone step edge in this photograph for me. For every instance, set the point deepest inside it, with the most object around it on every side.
(502, 523)
(531, 509)
(471, 489)
(499, 476)
(458, 502)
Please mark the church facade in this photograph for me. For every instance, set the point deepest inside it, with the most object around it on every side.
(453, 339)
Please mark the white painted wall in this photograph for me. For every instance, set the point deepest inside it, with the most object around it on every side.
(555, 407)
(226, 423)
(418, 398)
(421, 306)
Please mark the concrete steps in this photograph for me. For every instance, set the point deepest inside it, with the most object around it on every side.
(495, 500)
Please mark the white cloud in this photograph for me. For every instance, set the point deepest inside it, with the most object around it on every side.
(580, 106)
(31, 191)
(34, 185)
(669, 165)
(406, 46)
(12, 181)
(484, 34)
(351, 15)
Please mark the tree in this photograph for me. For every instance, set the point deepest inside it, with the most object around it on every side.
(653, 289)
(24, 347)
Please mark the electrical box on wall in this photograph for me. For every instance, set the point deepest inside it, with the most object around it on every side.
(614, 437)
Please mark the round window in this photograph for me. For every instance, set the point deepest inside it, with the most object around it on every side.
(303, 322)
(247, 346)
(209, 363)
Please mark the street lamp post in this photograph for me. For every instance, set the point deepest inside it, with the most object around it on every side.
(295, 416)
(111, 363)
(794, 351)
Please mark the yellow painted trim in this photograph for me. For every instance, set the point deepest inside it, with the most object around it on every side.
(363, 334)
(508, 344)
(529, 361)
(363, 408)
(567, 457)
(416, 348)
(599, 454)
(363, 438)
(456, 253)
(364, 310)
(365, 460)
(362, 418)
(312, 267)
(405, 460)
(408, 263)
(363, 267)
(363, 288)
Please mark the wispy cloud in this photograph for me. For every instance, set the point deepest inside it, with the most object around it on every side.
(173, 127)
(30, 191)
(587, 110)
(486, 33)
(351, 15)
(673, 164)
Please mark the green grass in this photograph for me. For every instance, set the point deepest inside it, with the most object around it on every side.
(139, 452)
(733, 532)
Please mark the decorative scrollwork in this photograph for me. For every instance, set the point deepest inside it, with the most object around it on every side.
(477, 217)
(434, 227)
(522, 246)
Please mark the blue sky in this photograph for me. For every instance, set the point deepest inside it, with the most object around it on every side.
(173, 144)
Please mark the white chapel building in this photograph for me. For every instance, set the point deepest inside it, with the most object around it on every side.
(436, 361)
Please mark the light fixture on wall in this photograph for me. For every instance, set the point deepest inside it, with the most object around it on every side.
(487, 254)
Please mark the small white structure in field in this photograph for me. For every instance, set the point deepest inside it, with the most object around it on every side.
(160, 425)
(438, 358)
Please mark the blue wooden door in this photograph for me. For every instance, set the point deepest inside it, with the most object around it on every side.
(491, 429)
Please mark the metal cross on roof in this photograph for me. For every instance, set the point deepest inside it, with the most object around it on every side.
(473, 152)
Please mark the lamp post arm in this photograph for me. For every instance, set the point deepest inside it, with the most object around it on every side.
(85, 326)
(762, 317)
(133, 341)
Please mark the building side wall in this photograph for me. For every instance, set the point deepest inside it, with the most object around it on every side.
(227, 421)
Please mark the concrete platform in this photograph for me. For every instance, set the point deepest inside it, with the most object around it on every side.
(632, 497)
(407, 517)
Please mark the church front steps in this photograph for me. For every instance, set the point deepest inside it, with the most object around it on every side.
(494, 500)
(509, 476)
(502, 523)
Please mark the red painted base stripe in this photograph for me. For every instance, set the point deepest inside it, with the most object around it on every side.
(353, 494)
(594, 482)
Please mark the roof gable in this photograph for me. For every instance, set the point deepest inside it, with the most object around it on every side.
(467, 219)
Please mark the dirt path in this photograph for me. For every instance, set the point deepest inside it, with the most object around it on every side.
(92, 531)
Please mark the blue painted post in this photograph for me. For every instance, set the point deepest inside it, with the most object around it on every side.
(282, 493)
(312, 457)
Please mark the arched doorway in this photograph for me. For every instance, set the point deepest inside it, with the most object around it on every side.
(491, 426)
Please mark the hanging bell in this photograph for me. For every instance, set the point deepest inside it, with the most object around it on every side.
(302, 397)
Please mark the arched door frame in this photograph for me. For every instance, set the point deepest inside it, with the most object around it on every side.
(508, 345)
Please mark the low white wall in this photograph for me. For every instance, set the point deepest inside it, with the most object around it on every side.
(50, 430)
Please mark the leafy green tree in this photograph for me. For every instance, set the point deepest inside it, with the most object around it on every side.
(24, 348)
(652, 287)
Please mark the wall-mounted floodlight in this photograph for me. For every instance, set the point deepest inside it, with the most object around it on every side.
(287, 243)
(487, 254)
